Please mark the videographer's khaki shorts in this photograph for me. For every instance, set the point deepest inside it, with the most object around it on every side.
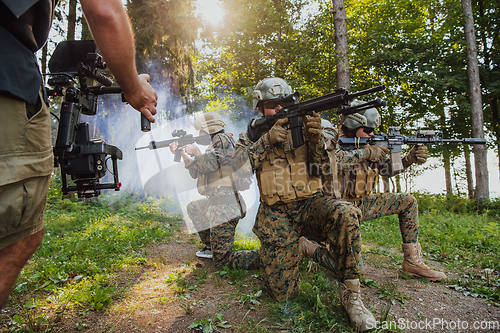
(26, 162)
(21, 209)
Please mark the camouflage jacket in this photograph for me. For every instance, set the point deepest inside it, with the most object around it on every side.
(350, 156)
(249, 155)
(218, 154)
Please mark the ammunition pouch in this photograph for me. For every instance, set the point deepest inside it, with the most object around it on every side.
(215, 179)
(357, 181)
(219, 201)
(283, 177)
(331, 185)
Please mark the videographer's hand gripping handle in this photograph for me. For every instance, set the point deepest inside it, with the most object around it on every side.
(112, 33)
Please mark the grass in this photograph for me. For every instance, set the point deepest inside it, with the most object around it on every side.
(91, 250)
(86, 248)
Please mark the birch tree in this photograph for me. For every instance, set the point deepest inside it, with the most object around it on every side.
(341, 44)
(482, 188)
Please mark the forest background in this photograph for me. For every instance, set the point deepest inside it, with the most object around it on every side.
(124, 263)
(208, 56)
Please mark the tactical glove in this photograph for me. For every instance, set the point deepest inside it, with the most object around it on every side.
(277, 133)
(418, 154)
(375, 152)
(313, 128)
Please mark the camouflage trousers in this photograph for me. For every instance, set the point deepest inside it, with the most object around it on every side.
(216, 226)
(384, 204)
(323, 218)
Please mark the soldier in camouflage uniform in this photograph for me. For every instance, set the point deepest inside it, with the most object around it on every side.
(292, 204)
(216, 217)
(357, 173)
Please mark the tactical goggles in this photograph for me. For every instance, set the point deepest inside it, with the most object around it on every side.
(271, 104)
(368, 130)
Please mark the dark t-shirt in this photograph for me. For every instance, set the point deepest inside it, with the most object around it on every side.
(23, 32)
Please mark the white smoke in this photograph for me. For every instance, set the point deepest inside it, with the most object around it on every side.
(153, 172)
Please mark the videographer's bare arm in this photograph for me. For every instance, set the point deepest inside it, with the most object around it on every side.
(112, 33)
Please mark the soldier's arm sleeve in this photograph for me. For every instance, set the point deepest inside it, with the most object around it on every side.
(351, 156)
(208, 161)
(249, 155)
(319, 158)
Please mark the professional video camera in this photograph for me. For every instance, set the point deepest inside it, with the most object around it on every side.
(75, 74)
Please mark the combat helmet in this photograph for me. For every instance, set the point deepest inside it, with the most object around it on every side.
(328, 130)
(210, 122)
(367, 118)
(270, 88)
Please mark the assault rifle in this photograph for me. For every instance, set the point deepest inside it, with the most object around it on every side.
(295, 112)
(183, 139)
(394, 141)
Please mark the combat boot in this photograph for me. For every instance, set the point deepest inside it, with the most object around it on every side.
(350, 297)
(306, 248)
(413, 265)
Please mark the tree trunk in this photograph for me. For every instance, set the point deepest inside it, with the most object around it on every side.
(480, 152)
(71, 20)
(341, 45)
(398, 183)
(387, 184)
(468, 172)
(447, 173)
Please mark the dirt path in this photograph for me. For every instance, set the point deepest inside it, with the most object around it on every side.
(152, 305)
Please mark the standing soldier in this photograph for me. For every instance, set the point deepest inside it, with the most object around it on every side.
(357, 173)
(216, 217)
(292, 204)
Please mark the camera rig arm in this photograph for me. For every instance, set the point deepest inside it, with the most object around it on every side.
(75, 76)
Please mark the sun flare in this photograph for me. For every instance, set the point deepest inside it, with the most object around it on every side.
(211, 11)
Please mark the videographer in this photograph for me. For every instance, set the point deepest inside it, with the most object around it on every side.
(26, 158)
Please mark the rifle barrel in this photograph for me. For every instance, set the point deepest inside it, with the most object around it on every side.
(366, 92)
(467, 141)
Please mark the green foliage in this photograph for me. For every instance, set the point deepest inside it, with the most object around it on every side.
(29, 320)
(485, 285)
(242, 242)
(251, 299)
(451, 203)
(257, 40)
(388, 291)
(315, 309)
(235, 275)
(455, 234)
(165, 32)
(87, 245)
(209, 325)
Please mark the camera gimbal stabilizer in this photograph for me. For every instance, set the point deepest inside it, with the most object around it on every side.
(74, 152)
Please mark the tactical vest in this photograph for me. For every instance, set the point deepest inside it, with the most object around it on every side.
(215, 179)
(357, 180)
(283, 176)
(331, 185)
(354, 181)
